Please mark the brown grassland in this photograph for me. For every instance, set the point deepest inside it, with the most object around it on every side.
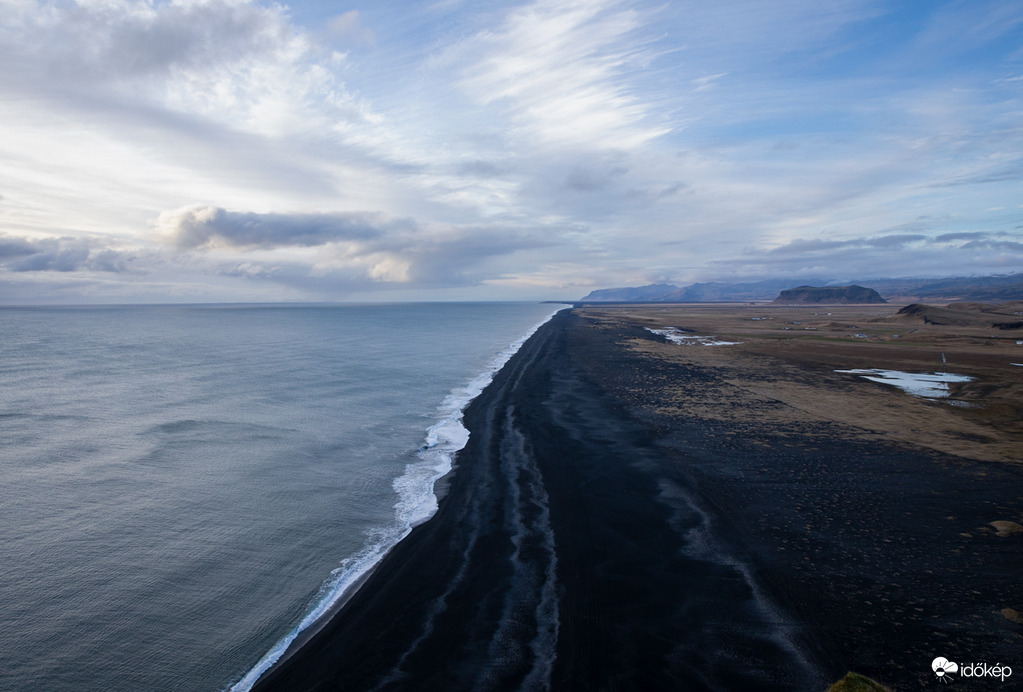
(790, 355)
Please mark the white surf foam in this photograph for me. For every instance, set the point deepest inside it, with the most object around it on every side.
(417, 502)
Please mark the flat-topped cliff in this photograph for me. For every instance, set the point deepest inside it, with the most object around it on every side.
(808, 295)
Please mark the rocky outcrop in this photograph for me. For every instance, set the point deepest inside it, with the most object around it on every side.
(834, 295)
(1004, 316)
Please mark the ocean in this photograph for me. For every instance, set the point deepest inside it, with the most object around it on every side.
(185, 488)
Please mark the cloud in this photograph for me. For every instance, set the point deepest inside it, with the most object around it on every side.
(481, 169)
(108, 42)
(998, 173)
(233, 62)
(519, 144)
(61, 255)
(348, 29)
(435, 256)
(803, 247)
(893, 242)
(975, 239)
(357, 245)
(1008, 247)
(593, 178)
(252, 270)
(560, 71)
(15, 247)
(969, 235)
(885, 255)
(211, 227)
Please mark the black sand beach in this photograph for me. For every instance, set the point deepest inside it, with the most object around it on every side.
(588, 542)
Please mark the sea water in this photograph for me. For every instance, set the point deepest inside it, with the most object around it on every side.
(185, 488)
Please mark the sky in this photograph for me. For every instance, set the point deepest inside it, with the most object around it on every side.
(232, 150)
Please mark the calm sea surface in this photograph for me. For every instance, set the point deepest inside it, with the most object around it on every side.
(182, 488)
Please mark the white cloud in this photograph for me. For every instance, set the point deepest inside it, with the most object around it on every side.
(561, 71)
(347, 27)
(507, 146)
(235, 63)
(358, 245)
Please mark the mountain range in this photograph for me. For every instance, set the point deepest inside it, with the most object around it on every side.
(899, 290)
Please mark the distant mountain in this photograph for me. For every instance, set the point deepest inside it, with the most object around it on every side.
(716, 292)
(970, 288)
(832, 295)
(709, 292)
(640, 294)
(946, 290)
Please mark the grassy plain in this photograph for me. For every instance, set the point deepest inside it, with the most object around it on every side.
(790, 355)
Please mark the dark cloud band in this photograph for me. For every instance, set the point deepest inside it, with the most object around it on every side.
(207, 226)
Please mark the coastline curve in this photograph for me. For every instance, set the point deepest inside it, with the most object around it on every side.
(417, 502)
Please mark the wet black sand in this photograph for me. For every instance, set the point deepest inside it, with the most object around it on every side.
(589, 543)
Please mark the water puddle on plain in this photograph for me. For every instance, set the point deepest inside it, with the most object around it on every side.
(677, 336)
(931, 385)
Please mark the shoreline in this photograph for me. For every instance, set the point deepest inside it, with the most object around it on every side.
(440, 442)
(586, 541)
